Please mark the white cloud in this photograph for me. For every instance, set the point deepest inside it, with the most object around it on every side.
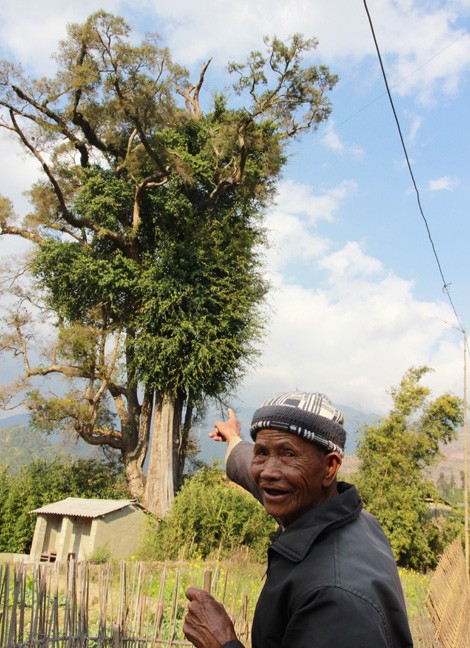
(352, 336)
(350, 262)
(439, 184)
(425, 47)
(18, 171)
(300, 199)
(333, 142)
(416, 123)
(426, 52)
(31, 30)
(293, 220)
(353, 341)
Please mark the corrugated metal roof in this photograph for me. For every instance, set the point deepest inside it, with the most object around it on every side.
(80, 507)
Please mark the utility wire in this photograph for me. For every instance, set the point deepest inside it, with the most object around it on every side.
(445, 287)
(383, 94)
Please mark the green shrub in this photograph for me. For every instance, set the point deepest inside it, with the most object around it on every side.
(210, 518)
(101, 555)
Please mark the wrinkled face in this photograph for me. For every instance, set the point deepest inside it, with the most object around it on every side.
(291, 473)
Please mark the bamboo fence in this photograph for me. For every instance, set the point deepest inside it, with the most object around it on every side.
(449, 599)
(130, 605)
(142, 605)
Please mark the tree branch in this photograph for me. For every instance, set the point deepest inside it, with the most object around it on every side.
(191, 94)
(79, 223)
(64, 129)
(19, 231)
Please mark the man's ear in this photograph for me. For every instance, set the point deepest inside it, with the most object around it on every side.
(331, 464)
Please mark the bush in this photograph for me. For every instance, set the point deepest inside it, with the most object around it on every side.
(210, 518)
(101, 555)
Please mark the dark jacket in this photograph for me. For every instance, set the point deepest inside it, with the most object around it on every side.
(332, 581)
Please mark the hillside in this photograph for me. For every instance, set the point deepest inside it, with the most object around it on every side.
(21, 444)
(210, 450)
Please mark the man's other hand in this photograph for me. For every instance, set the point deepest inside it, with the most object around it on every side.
(207, 624)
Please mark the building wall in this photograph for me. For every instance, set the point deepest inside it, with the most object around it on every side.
(51, 538)
(65, 541)
(38, 538)
(81, 537)
(119, 532)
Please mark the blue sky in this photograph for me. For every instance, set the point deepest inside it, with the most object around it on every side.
(356, 293)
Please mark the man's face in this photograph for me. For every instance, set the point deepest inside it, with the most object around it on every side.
(291, 474)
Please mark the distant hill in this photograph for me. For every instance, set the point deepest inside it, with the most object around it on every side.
(20, 444)
(210, 450)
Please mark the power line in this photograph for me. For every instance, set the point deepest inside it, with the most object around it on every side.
(383, 94)
(445, 286)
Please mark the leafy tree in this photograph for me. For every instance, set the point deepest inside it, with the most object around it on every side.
(147, 232)
(209, 517)
(448, 489)
(394, 454)
(42, 482)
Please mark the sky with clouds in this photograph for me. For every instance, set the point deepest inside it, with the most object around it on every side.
(357, 297)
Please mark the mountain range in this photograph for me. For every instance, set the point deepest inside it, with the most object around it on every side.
(20, 443)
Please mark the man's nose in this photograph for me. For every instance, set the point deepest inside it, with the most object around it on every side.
(271, 467)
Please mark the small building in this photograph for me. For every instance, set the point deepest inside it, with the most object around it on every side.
(79, 528)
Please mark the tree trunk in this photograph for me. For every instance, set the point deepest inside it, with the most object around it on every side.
(164, 450)
(182, 444)
(135, 425)
(134, 476)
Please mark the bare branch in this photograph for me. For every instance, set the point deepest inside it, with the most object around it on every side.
(99, 436)
(20, 231)
(191, 94)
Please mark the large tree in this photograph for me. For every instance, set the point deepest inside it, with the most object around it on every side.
(395, 454)
(147, 229)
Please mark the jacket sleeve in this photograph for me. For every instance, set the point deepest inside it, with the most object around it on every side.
(239, 467)
(332, 617)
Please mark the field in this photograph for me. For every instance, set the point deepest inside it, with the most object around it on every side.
(141, 604)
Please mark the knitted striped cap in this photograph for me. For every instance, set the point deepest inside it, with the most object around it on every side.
(311, 416)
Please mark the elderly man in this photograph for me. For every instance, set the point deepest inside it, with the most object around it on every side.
(332, 580)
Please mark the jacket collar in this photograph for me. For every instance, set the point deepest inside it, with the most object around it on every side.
(294, 542)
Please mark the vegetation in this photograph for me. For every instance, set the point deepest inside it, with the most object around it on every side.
(42, 482)
(394, 454)
(449, 490)
(22, 443)
(146, 230)
(210, 518)
(148, 598)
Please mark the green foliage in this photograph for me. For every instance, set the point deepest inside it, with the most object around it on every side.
(393, 454)
(450, 491)
(42, 482)
(20, 443)
(210, 517)
(101, 555)
(415, 588)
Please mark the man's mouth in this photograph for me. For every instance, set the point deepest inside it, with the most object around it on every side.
(274, 493)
